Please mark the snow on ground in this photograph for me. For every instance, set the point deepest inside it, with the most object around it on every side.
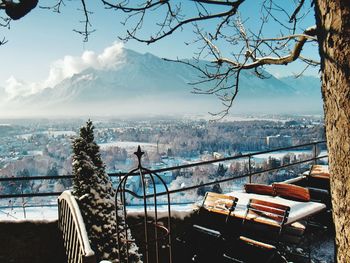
(323, 153)
(280, 154)
(234, 118)
(177, 211)
(323, 249)
(60, 133)
(51, 212)
(34, 153)
(49, 133)
(127, 145)
(40, 212)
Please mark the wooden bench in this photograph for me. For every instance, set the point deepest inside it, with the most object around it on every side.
(263, 219)
(207, 238)
(319, 177)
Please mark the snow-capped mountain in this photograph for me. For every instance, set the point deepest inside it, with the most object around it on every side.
(144, 83)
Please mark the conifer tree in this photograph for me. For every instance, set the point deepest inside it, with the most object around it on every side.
(217, 189)
(93, 189)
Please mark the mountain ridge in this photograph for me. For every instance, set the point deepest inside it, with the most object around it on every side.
(146, 77)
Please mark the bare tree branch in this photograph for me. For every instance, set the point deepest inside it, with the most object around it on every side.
(182, 23)
(56, 7)
(123, 5)
(173, 19)
(296, 11)
(3, 41)
(310, 32)
(85, 32)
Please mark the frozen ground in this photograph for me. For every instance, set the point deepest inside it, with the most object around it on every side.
(322, 242)
(128, 145)
(37, 213)
(49, 133)
(50, 212)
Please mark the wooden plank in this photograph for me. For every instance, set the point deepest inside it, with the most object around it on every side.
(266, 212)
(257, 213)
(292, 192)
(319, 171)
(219, 202)
(256, 243)
(262, 189)
(270, 204)
(262, 220)
(267, 209)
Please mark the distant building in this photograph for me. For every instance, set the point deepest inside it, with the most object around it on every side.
(277, 141)
(167, 176)
(217, 155)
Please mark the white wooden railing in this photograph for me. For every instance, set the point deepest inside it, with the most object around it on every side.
(73, 230)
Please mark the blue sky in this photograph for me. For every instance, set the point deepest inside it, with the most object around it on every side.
(43, 37)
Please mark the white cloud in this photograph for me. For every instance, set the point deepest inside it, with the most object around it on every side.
(14, 87)
(64, 68)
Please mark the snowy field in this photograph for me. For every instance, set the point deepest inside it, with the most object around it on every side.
(279, 155)
(49, 133)
(50, 212)
(127, 145)
(40, 212)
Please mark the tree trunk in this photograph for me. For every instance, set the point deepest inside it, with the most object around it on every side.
(333, 22)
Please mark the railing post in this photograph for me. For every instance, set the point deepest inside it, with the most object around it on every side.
(315, 152)
(250, 168)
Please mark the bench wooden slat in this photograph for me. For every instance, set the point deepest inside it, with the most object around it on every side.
(219, 202)
(267, 212)
(291, 191)
(269, 204)
(262, 189)
(257, 243)
(319, 171)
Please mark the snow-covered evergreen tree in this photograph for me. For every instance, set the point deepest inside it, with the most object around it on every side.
(95, 195)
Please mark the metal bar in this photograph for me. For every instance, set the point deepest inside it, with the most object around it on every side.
(238, 177)
(222, 159)
(250, 169)
(124, 220)
(30, 195)
(315, 158)
(143, 181)
(3, 196)
(315, 153)
(33, 178)
(232, 178)
(4, 179)
(155, 219)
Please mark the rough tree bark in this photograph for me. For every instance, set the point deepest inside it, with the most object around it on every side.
(333, 21)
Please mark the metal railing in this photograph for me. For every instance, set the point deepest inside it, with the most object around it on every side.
(315, 146)
(71, 225)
